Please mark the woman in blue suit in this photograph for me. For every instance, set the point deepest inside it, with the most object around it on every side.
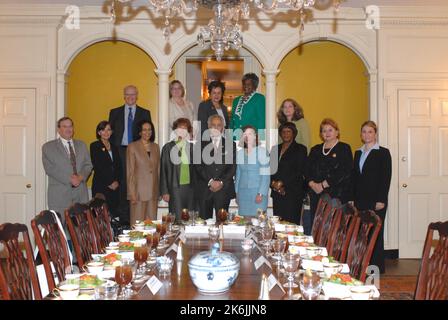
(252, 174)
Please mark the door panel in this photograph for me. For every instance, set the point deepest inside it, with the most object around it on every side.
(17, 157)
(423, 166)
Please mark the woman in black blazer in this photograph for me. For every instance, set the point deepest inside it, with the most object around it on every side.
(107, 167)
(288, 161)
(177, 169)
(214, 105)
(372, 173)
(329, 168)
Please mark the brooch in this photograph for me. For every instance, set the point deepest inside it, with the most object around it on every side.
(334, 155)
(104, 149)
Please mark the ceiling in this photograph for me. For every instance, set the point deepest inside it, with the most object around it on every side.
(347, 3)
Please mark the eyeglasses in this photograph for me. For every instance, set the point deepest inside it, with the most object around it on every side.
(130, 94)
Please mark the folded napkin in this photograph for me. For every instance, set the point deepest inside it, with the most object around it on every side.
(340, 291)
(302, 250)
(280, 227)
(319, 266)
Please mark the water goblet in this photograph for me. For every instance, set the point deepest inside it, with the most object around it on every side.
(247, 245)
(310, 285)
(278, 245)
(290, 263)
(213, 233)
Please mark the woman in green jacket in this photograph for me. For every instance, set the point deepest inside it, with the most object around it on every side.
(249, 109)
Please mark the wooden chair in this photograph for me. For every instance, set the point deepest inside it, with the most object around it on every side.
(81, 233)
(328, 224)
(367, 228)
(322, 207)
(18, 277)
(52, 246)
(342, 233)
(432, 281)
(99, 218)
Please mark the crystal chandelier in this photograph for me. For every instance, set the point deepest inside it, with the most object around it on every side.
(224, 31)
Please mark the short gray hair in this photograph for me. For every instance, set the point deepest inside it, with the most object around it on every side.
(214, 116)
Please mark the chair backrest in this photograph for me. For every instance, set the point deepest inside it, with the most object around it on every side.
(367, 228)
(329, 220)
(432, 281)
(81, 233)
(337, 246)
(18, 278)
(100, 220)
(52, 246)
(322, 206)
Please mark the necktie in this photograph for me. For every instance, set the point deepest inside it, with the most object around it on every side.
(130, 121)
(72, 157)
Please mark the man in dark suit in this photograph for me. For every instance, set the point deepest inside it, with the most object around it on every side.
(215, 186)
(124, 122)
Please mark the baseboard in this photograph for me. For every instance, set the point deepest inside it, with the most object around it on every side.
(391, 254)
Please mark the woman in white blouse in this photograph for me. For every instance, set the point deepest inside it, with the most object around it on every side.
(179, 107)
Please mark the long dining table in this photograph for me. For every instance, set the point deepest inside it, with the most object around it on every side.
(179, 286)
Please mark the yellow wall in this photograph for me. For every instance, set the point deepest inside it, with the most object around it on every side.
(96, 80)
(328, 80)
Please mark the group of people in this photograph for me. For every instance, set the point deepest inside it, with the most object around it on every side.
(205, 172)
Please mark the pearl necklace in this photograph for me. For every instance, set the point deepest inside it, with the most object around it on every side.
(323, 149)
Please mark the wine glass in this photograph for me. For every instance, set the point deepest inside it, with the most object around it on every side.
(310, 285)
(222, 215)
(290, 263)
(278, 245)
(185, 215)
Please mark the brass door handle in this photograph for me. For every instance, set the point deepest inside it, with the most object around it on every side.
(404, 185)
(28, 185)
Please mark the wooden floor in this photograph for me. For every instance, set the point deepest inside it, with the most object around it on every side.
(398, 283)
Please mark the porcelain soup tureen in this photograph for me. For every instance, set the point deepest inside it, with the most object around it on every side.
(214, 271)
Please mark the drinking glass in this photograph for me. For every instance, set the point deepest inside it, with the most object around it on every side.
(140, 255)
(267, 233)
(222, 216)
(106, 291)
(310, 285)
(185, 215)
(290, 263)
(123, 277)
(155, 240)
(213, 233)
(278, 245)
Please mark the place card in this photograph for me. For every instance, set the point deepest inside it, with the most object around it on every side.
(154, 284)
(258, 247)
(173, 247)
(259, 262)
(273, 281)
(182, 237)
(254, 237)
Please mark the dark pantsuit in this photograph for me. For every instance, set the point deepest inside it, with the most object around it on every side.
(123, 208)
(288, 207)
(377, 258)
(181, 198)
(218, 200)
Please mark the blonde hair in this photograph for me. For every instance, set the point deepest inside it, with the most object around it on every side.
(329, 122)
(370, 124)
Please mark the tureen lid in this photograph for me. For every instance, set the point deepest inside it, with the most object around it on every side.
(214, 258)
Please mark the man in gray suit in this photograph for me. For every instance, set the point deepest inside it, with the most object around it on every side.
(67, 163)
